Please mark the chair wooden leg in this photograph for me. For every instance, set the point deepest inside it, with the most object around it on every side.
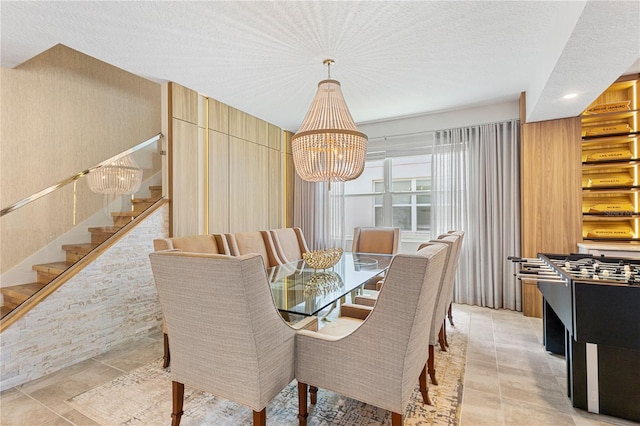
(424, 389)
(450, 315)
(397, 419)
(431, 368)
(178, 400)
(302, 404)
(444, 329)
(167, 355)
(313, 391)
(443, 346)
(260, 417)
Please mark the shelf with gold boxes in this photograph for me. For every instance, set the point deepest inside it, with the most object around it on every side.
(611, 164)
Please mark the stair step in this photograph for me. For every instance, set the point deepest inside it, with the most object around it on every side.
(4, 311)
(122, 218)
(46, 272)
(76, 252)
(141, 204)
(156, 191)
(16, 294)
(100, 234)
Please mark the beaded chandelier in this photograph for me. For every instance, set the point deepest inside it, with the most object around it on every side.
(122, 176)
(328, 146)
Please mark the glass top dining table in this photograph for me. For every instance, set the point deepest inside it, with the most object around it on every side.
(299, 289)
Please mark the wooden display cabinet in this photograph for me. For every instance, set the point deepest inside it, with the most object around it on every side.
(611, 164)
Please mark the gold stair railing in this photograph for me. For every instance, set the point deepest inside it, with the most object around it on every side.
(82, 215)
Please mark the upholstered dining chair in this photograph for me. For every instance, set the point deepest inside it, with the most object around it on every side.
(227, 337)
(375, 240)
(447, 292)
(377, 361)
(211, 243)
(442, 298)
(290, 243)
(461, 235)
(254, 242)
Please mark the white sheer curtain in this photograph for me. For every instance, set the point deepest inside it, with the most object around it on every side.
(319, 212)
(476, 189)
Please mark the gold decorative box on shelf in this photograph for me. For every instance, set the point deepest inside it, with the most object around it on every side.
(602, 230)
(610, 163)
(610, 107)
(322, 259)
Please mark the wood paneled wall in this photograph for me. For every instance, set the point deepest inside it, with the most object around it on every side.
(289, 173)
(551, 195)
(229, 180)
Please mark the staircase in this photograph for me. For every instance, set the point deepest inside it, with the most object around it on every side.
(47, 272)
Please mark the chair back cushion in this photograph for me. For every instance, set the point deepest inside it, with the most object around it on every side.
(376, 240)
(227, 337)
(194, 243)
(290, 244)
(258, 242)
(455, 238)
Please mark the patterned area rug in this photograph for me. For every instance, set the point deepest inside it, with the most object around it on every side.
(143, 397)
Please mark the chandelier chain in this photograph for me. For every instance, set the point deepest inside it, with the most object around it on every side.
(328, 62)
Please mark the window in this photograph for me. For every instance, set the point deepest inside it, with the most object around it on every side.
(392, 192)
(410, 204)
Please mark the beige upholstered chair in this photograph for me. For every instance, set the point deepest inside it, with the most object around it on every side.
(375, 240)
(378, 360)
(440, 312)
(442, 298)
(227, 337)
(290, 244)
(461, 235)
(213, 243)
(254, 242)
(444, 305)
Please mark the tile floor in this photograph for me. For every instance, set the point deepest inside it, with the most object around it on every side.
(509, 379)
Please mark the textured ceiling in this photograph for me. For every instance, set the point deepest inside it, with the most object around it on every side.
(393, 58)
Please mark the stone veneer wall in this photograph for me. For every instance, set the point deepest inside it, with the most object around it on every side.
(110, 302)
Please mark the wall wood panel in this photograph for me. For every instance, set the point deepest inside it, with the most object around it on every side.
(288, 194)
(203, 111)
(287, 142)
(185, 205)
(274, 169)
(218, 116)
(551, 193)
(248, 186)
(218, 182)
(185, 103)
(289, 178)
(262, 132)
(275, 137)
(243, 125)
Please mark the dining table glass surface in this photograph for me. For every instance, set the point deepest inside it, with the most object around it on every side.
(299, 289)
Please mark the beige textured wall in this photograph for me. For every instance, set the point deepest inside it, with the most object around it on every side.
(62, 112)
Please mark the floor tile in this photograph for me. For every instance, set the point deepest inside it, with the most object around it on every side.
(132, 355)
(18, 409)
(480, 408)
(522, 413)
